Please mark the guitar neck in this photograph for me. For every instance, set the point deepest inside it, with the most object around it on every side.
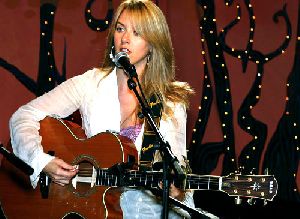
(254, 186)
(152, 179)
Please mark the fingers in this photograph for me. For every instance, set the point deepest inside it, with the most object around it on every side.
(65, 170)
(60, 172)
(174, 191)
(65, 165)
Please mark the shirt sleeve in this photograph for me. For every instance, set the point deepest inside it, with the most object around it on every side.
(24, 123)
(173, 130)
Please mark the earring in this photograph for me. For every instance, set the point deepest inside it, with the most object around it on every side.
(148, 58)
(111, 54)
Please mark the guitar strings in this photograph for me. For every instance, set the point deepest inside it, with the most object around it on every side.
(193, 181)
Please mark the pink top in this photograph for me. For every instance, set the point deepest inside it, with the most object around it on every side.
(131, 132)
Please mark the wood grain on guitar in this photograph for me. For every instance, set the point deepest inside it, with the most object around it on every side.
(95, 191)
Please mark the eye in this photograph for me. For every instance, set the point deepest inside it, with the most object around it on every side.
(119, 28)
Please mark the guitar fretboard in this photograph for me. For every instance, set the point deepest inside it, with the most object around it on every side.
(256, 186)
(152, 179)
(106, 178)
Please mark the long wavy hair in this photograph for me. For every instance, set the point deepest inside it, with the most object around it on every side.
(159, 74)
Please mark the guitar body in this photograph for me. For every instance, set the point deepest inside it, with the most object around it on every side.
(95, 191)
(20, 200)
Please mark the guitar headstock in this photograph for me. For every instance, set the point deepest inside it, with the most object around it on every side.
(252, 186)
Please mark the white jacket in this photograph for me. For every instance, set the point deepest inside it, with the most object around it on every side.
(97, 99)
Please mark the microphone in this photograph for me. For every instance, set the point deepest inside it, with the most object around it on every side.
(121, 60)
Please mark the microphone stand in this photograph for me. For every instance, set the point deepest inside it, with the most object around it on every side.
(170, 162)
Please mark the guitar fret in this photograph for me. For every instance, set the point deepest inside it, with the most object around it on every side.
(140, 179)
(98, 177)
(152, 178)
(103, 178)
(116, 181)
(134, 177)
(220, 183)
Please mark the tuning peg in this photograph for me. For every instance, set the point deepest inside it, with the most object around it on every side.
(240, 170)
(266, 171)
(251, 172)
(251, 201)
(238, 200)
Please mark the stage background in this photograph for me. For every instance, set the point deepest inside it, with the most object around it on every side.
(245, 110)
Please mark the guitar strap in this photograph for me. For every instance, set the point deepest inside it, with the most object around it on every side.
(150, 143)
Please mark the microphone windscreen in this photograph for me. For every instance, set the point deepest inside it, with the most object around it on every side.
(117, 58)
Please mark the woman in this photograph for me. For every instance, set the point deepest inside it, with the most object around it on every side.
(105, 102)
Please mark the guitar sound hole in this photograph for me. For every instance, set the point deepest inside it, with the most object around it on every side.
(73, 215)
(85, 169)
(83, 183)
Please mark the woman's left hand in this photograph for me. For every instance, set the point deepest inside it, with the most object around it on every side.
(177, 193)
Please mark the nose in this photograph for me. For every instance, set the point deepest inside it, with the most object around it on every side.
(126, 37)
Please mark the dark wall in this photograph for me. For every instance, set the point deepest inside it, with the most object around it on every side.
(20, 46)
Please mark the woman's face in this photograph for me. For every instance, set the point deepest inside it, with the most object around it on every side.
(126, 39)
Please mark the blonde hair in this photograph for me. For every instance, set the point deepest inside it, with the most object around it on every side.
(159, 75)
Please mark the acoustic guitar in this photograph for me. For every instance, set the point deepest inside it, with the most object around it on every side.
(95, 191)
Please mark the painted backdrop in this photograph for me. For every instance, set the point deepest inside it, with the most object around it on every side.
(242, 58)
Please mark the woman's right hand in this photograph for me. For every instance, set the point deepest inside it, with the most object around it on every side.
(60, 172)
